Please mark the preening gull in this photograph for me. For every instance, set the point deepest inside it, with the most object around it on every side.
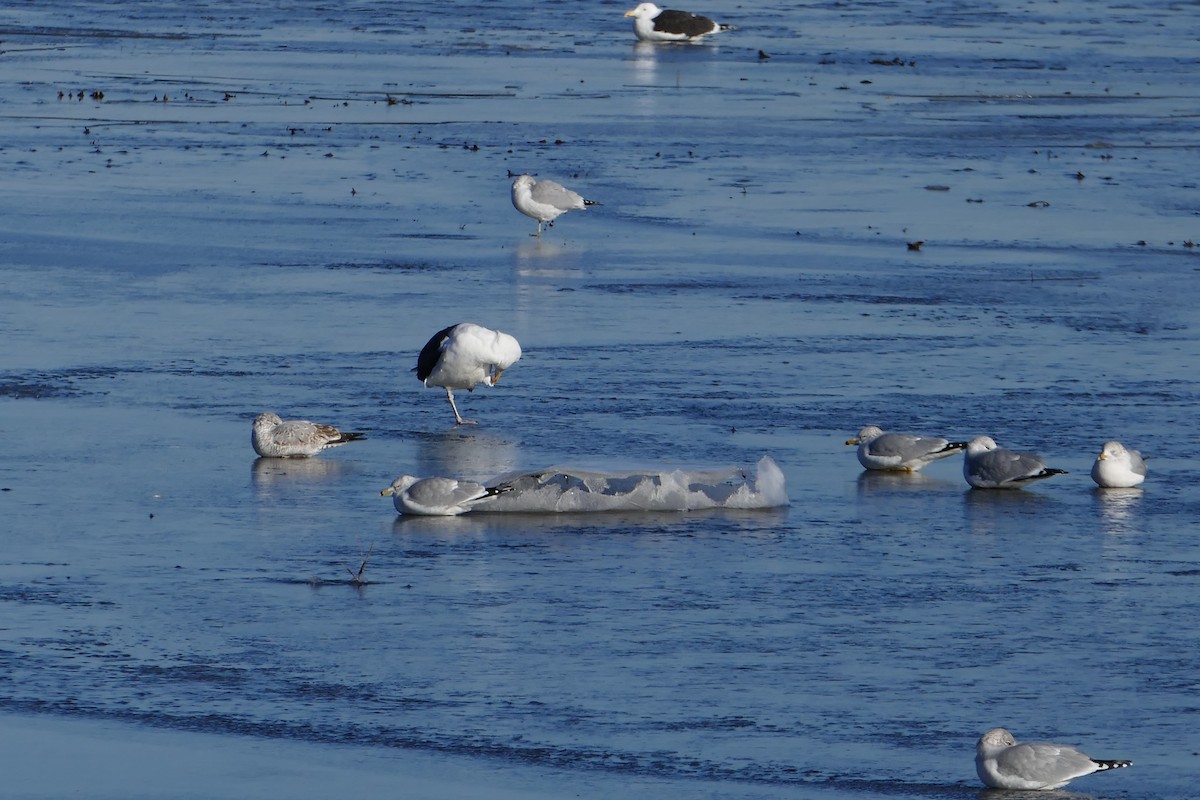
(545, 200)
(900, 451)
(988, 466)
(439, 497)
(295, 438)
(463, 356)
(1118, 467)
(653, 24)
(1004, 764)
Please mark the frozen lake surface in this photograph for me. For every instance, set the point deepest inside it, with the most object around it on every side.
(214, 209)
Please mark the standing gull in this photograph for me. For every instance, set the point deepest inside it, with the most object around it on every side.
(295, 438)
(988, 466)
(1118, 467)
(463, 356)
(900, 451)
(1004, 764)
(653, 24)
(545, 200)
(439, 497)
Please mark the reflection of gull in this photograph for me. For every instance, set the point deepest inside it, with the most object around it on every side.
(271, 473)
(1117, 507)
(1004, 764)
(653, 24)
(464, 355)
(295, 438)
(439, 497)
(881, 481)
(1118, 467)
(455, 452)
(545, 200)
(988, 466)
(900, 451)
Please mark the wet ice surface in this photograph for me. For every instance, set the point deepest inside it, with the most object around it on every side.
(277, 235)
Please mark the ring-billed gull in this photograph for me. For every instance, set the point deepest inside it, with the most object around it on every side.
(463, 356)
(439, 497)
(1118, 467)
(545, 200)
(653, 24)
(1004, 764)
(900, 451)
(295, 438)
(988, 466)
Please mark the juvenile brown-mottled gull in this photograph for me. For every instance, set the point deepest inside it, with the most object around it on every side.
(274, 437)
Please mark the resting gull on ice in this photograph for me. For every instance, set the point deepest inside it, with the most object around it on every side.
(1004, 764)
(545, 200)
(295, 438)
(439, 497)
(900, 451)
(988, 466)
(653, 24)
(463, 356)
(1118, 467)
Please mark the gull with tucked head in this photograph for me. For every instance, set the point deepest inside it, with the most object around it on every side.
(545, 200)
(989, 466)
(1004, 764)
(463, 356)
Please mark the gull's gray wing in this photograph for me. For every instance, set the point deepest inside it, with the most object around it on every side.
(557, 195)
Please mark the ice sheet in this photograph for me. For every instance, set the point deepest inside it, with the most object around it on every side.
(563, 489)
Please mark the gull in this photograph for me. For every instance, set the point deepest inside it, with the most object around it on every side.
(1004, 764)
(653, 24)
(295, 438)
(439, 497)
(1118, 467)
(988, 466)
(463, 356)
(545, 200)
(900, 451)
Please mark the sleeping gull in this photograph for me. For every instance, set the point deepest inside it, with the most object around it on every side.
(545, 200)
(1004, 764)
(900, 451)
(439, 497)
(295, 438)
(988, 466)
(653, 24)
(1118, 467)
(464, 355)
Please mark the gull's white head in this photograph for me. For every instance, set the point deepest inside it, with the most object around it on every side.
(1112, 449)
(644, 11)
(993, 740)
(525, 181)
(981, 444)
(399, 485)
(868, 434)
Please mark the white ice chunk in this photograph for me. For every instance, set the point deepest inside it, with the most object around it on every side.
(562, 489)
